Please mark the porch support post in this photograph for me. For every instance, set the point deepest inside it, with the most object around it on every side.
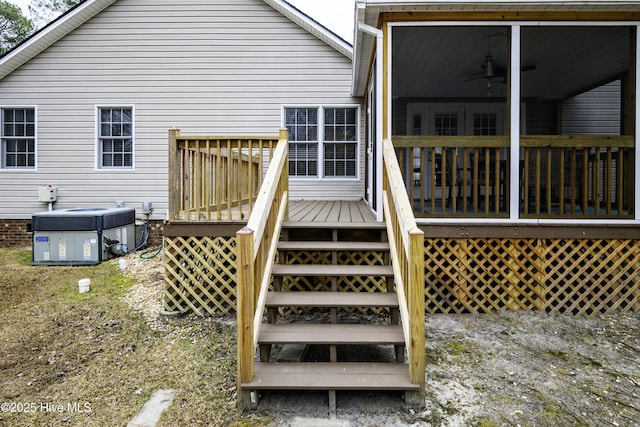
(514, 127)
(636, 166)
(386, 86)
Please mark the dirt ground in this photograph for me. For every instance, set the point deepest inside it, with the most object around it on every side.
(500, 369)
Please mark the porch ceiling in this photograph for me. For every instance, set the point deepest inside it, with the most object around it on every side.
(436, 62)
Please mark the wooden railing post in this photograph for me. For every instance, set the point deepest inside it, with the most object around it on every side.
(245, 310)
(284, 177)
(415, 299)
(174, 174)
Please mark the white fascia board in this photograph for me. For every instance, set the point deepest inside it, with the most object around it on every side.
(582, 4)
(50, 34)
(312, 26)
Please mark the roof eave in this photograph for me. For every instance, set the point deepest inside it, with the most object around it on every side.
(312, 27)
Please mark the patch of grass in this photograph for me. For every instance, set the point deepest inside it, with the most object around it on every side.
(91, 351)
(483, 422)
(456, 348)
(557, 354)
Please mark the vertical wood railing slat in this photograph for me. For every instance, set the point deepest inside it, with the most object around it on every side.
(215, 178)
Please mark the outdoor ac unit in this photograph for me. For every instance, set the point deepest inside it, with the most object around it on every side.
(82, 236)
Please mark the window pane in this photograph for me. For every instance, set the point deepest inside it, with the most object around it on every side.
(116, 137)
(302, 124)
(18, 137)
(342, 124)
(340, 159)
(329, 133)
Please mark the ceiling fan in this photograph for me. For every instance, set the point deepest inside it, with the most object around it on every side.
(492, 71)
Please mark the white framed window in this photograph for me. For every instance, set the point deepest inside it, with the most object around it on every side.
(323, 141)
(115, 137)
(18, 134)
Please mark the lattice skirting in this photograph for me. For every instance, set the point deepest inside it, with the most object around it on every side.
(579, 276)
(200, 275)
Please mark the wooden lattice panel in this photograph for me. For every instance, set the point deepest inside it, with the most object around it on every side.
(200, 275)
(586, 276)
(345, 284)
(579, 276)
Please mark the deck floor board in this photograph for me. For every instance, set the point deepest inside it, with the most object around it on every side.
(322, 211)
(307, 211)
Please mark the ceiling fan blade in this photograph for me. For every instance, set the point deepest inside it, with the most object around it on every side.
(468, 79)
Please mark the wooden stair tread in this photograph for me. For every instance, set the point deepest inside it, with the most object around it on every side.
(332, 299)
(329, 333)
(331, 245)
(335, 225)
(331, 376)
(331, 270)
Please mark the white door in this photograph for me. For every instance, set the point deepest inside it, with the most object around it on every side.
(371, 149)
(433, 120)
(447, 119)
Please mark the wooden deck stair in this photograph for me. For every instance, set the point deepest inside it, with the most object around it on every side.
(338, 242)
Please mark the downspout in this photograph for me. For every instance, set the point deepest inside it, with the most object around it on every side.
(377, 33)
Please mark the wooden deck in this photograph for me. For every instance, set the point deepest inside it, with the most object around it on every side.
(306, 211)
(332, 211)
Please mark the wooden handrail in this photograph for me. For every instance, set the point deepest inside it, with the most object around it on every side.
(406, 241)
(451, 141)
(577, 141)
(256, 247)
(564, 141)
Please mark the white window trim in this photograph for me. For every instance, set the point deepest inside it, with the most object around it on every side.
(98, 152)
(35, 139)
(321, 141)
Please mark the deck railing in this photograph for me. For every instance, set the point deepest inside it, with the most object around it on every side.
(578, 176)
(559, 176)
(407, 257)
(255, 256)
(215, 178)
(455, 175)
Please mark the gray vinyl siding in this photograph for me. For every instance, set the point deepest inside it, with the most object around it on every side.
(596, 112)
(204, 67)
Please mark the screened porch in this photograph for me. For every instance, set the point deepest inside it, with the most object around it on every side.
(456, 100)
